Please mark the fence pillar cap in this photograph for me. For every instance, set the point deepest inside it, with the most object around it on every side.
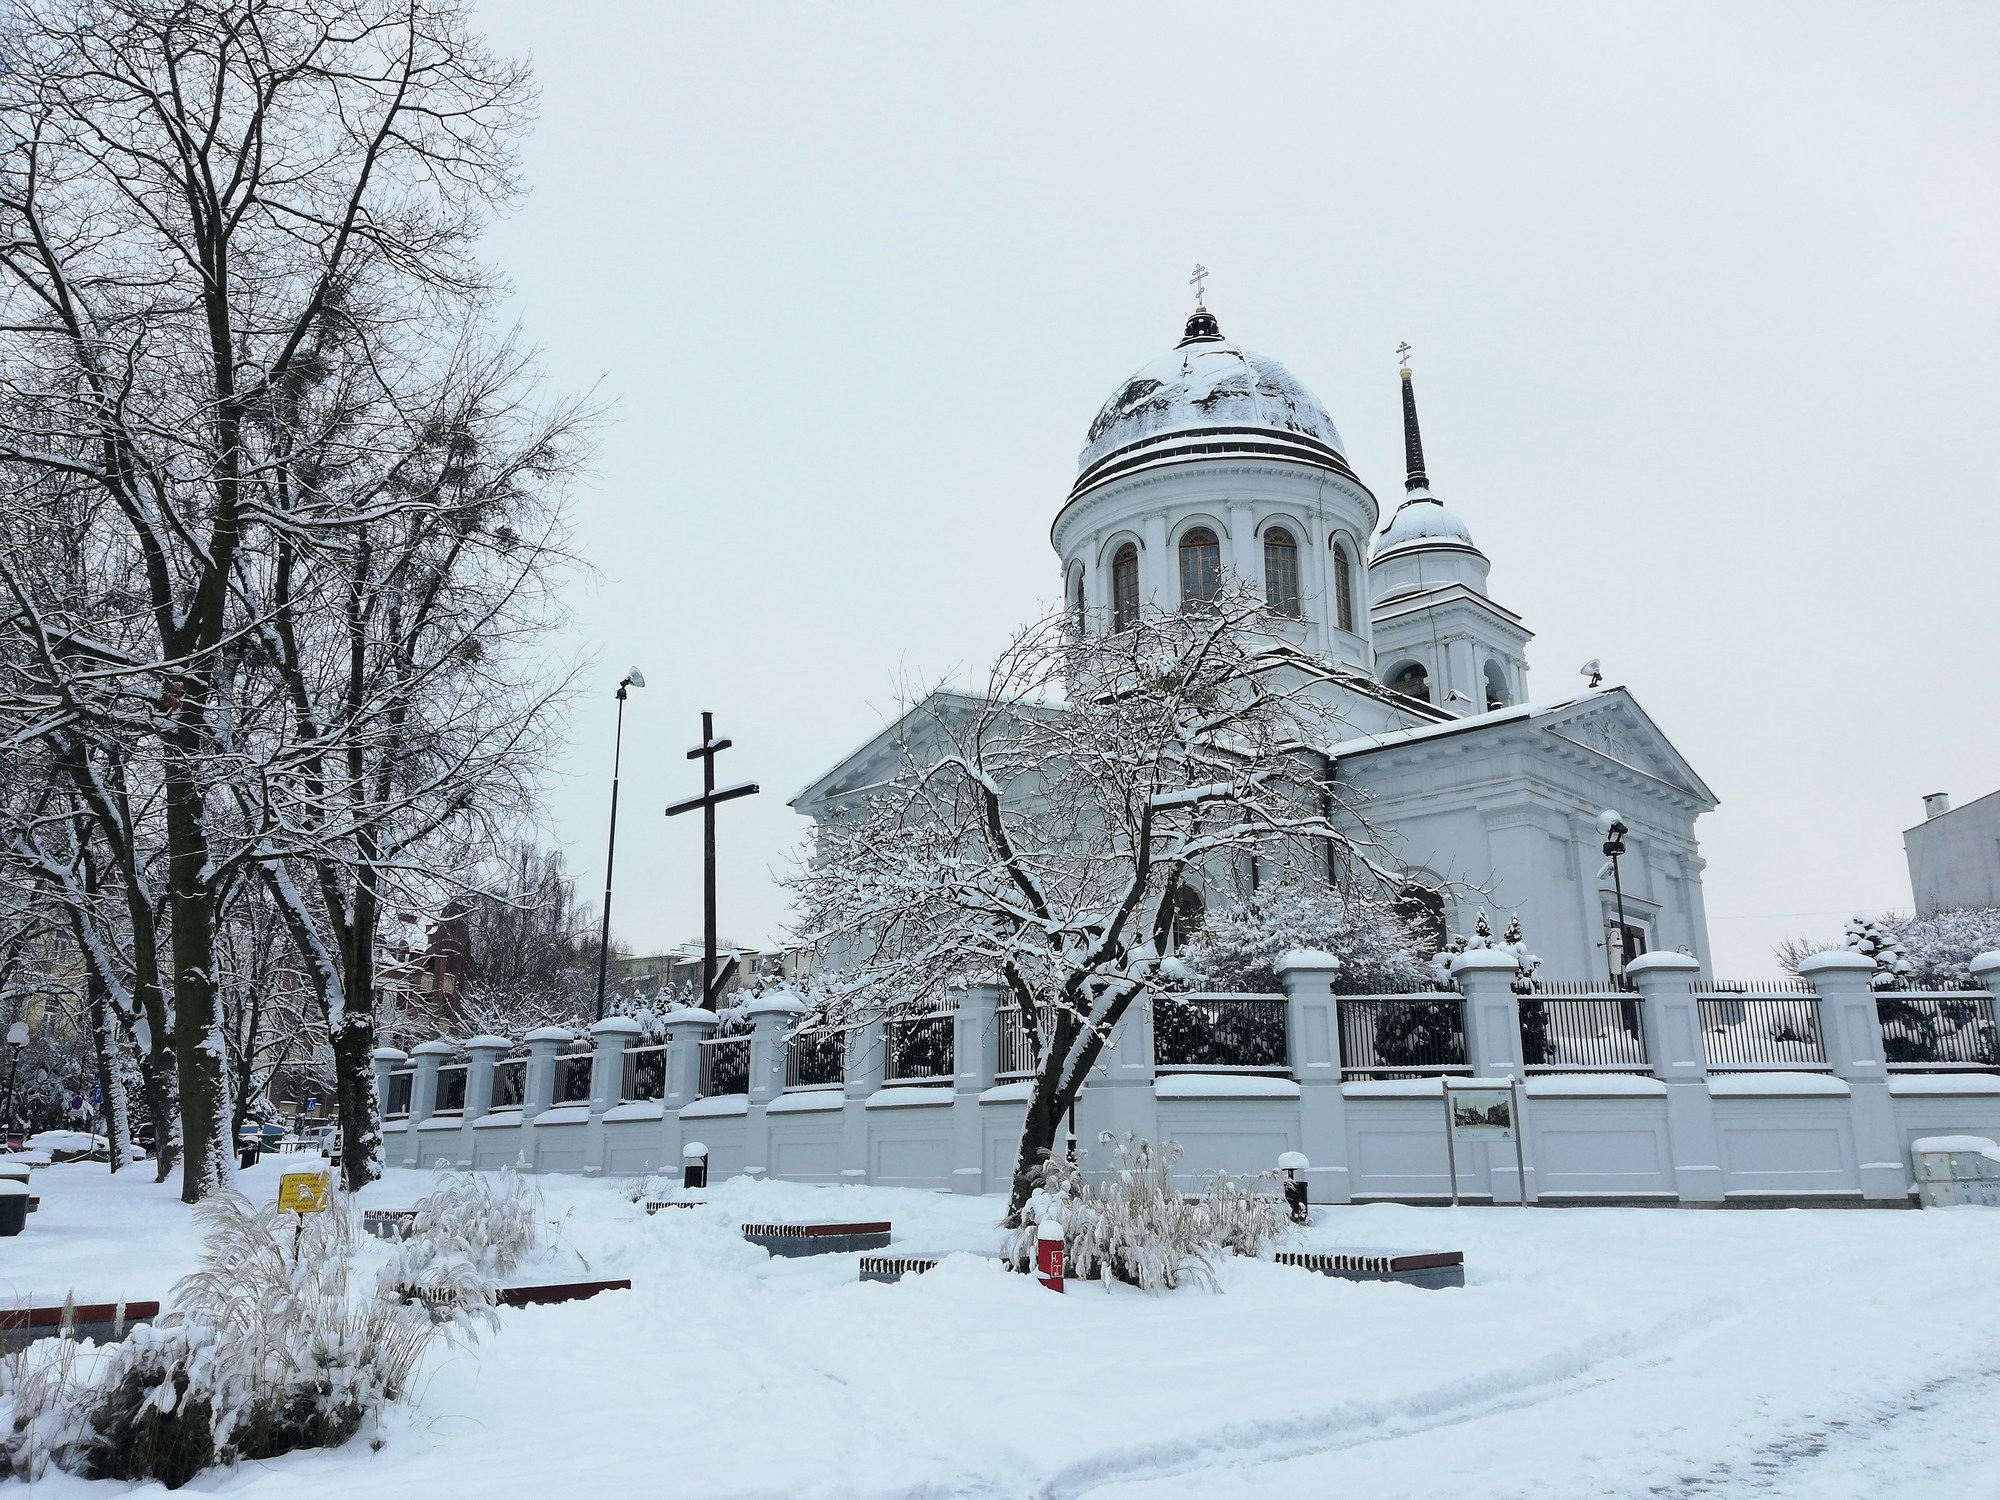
(690, 1015)
(1307, 958)
(1836, 958)
(1985, 963)
(488, 1044)
(783, 1001)
(549, 1034)
(1647, 963)
(616, 1026)
(1485, 958)
(396, 1054)
(435, 1048)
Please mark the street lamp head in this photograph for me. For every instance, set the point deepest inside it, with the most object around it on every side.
(634, 676)
(17, 1034)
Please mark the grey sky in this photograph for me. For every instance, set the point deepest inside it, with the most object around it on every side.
(1704, 307)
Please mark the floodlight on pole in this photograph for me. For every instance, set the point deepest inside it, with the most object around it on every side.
(17, 1038)
(1611, 823)
(633, 678)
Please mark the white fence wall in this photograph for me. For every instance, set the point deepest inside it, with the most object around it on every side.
(1679, 1134)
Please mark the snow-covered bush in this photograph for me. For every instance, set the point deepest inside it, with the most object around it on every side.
(1238, 948)
(1876, 940)
(271, 1345)
(1939, 948)
(1137, 1227)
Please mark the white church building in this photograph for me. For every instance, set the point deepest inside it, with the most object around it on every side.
(1212, 464)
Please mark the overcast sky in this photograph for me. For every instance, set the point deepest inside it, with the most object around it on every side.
(1703, 302)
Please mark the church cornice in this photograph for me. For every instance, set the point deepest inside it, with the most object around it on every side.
(1081, 506)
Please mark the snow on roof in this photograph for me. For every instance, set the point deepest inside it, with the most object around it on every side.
(1207, 385)
(1422, 518)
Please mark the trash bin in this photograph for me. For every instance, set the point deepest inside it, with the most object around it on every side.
(1957, 1169)
(1297, 1197)
(13, 1207)
(694, 1173)
(246, 1155)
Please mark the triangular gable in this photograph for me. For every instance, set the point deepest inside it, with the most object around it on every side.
(1612, 724)
(884, 755)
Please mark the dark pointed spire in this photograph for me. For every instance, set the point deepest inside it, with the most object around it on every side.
(1413, 439)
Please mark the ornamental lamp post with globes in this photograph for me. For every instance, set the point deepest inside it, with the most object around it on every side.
(1611, 823)
(633, 678)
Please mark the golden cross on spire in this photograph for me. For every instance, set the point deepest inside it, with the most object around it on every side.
(1403, 350)
(1195, 281)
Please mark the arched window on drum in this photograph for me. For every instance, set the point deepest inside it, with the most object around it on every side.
(1343, 587)
(1125, 588)
(1201, 567)
(1281, 571)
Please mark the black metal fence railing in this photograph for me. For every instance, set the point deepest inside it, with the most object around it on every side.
(1585, 988)
(1582, 1033)
(919, 1048)
(1220, 1033)
(814, 1060)
(450, 1096)
(1938, 1032)
(572, 1085)
(1402, 1036)
(1017, 1056)
(645, 1074)
(1754, 987)
(510, 1083)
(397, 1105)
(725, 1065)
(1745, 1032)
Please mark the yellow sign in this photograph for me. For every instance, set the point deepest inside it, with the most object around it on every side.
(302, 1192)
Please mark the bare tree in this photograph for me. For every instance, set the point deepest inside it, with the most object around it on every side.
(1040, 832)
(238, 326)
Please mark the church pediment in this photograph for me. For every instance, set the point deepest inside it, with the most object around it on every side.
(1614, 726)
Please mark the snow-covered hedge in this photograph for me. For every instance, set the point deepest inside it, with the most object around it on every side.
(1238, 948)
(1135, 1226)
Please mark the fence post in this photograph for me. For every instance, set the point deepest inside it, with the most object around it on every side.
(1312, 1043)
(538, 1089)
(686, 1026)
(608, 1038)
(486, 1052)
(975, 1059)
(385, 1060)
(865, 1068)
(772, 1017)
(1986, 970)
(1851, 1029)
(423, 1096)
(1493, 1048)
(1670, 1019)
(1117, 1093)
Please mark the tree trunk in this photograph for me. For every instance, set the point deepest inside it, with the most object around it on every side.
(198, 1067)
(354, 1052)
(110, 1092)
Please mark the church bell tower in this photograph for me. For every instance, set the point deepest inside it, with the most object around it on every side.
(1438, 636)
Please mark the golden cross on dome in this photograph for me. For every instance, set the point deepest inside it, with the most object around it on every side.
(1195, 281)
(1403, 350)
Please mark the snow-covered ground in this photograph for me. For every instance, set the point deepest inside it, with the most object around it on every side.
(1643, 1353)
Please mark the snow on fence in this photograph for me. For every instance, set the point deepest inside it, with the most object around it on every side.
(1582, 1033)
(1938, 1031)
(725, 1065)
(645, 1074)
(919, 1047)
(1743, 1032)
(1402, 1036)
(1220, 1034)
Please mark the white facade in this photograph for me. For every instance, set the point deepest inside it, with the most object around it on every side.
(1954, 854)
(1213, 465)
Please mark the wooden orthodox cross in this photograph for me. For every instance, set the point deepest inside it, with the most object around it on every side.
(705, 752)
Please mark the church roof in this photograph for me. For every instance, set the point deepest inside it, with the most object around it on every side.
(1422, 518)
(1207, 388)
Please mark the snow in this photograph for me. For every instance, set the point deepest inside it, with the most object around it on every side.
(1223, 1086)
(563, 1114)
(1978, 1143)
(443, 1122)
(498, 1120)
(1391, 1088)
(1630, 1353)
(640, 1109)
(908, 1096)
(1580, 1085)
(717, 1104)
(1759, 1085)
(811, 1102)
(1944, 1083)
(1019, 1092)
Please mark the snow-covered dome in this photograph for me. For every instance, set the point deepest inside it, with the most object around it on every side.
(1422, 518)
(1206, 387)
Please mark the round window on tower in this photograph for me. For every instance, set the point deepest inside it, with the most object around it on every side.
(1412, 681)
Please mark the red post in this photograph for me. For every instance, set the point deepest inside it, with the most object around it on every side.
(1049, 1255)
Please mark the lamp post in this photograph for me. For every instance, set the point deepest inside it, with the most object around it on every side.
(17, 1038)
(1611, 824)
(633, 678)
